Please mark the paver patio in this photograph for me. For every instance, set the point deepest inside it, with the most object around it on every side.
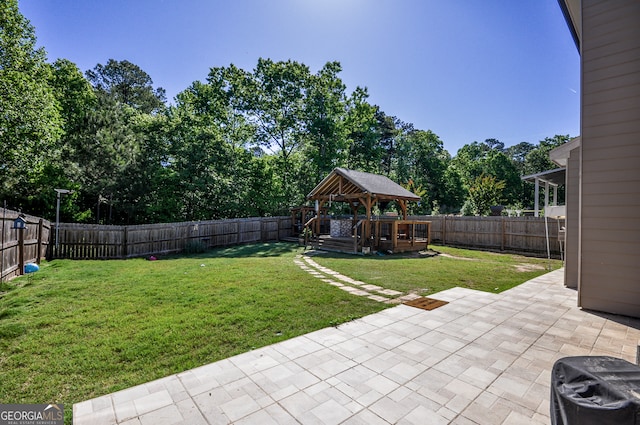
(481, 359)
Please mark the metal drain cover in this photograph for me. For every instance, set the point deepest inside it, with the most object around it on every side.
(426, 303)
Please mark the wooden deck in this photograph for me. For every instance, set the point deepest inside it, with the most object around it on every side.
(329, 243)
(389, 236)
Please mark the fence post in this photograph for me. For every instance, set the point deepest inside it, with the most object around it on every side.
(20, 252)
(124, 242)
(278, 220)
(502, 239)
(39, 253)
(444, 231)
(50, 246)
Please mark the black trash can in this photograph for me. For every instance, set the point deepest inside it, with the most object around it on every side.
(595, 390)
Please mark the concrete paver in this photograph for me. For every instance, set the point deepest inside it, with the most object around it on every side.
(481, 359)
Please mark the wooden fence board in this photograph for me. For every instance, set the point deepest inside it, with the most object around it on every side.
(85, 241)
(516, 234)
(513, 234)
(101, 241)
(35, 243)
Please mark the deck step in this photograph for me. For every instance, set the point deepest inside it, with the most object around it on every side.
(337, 245)
(289, 239)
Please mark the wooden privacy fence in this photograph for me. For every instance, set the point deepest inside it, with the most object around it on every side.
(85, 241)
(89, 241)
(514, 234)
(19, 247)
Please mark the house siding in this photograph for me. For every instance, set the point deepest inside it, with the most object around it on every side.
(572, 200)
(609, 247)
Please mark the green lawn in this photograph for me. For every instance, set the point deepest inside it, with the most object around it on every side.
(481, 270)
(80, 329)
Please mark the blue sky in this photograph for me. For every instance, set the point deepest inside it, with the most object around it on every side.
(468, 70)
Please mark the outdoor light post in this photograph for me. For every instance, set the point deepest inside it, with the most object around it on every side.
(59, 193)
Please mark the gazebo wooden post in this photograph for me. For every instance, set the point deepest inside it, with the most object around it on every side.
(318, 217)
(366, 229)
(354, 212)
(294, 215)
(403, 207)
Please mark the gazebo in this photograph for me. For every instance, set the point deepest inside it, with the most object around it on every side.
(363, 233)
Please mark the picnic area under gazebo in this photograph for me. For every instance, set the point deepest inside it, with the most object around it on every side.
(358, 232)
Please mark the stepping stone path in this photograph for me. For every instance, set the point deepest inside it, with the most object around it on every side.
(352, 286)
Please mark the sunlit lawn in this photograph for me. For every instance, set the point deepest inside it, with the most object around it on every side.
(481, 270)
(79, 329)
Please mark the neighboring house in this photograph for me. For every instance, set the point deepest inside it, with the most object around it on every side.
(603, 165)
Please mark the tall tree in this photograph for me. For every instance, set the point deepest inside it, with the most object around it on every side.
(109, 145)
(361, 126)
(484, 192)
(30, 124)
(215, 174)
(498, 165)
(199, 157)
(276, 106)
(231, 95)
(389, 130)
(151, 191)
(325, 109)
(468, 161)
(76, 98)
(129, 84)
(423, 159)
(494, 144)
(455, 193)
(518, 153)
(537, 160)
(480, 159)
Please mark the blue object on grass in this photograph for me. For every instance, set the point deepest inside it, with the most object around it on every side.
(31, 267)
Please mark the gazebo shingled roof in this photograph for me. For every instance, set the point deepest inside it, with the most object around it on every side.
(343, 185)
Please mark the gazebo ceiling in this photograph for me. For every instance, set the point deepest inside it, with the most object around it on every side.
(343, 184)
